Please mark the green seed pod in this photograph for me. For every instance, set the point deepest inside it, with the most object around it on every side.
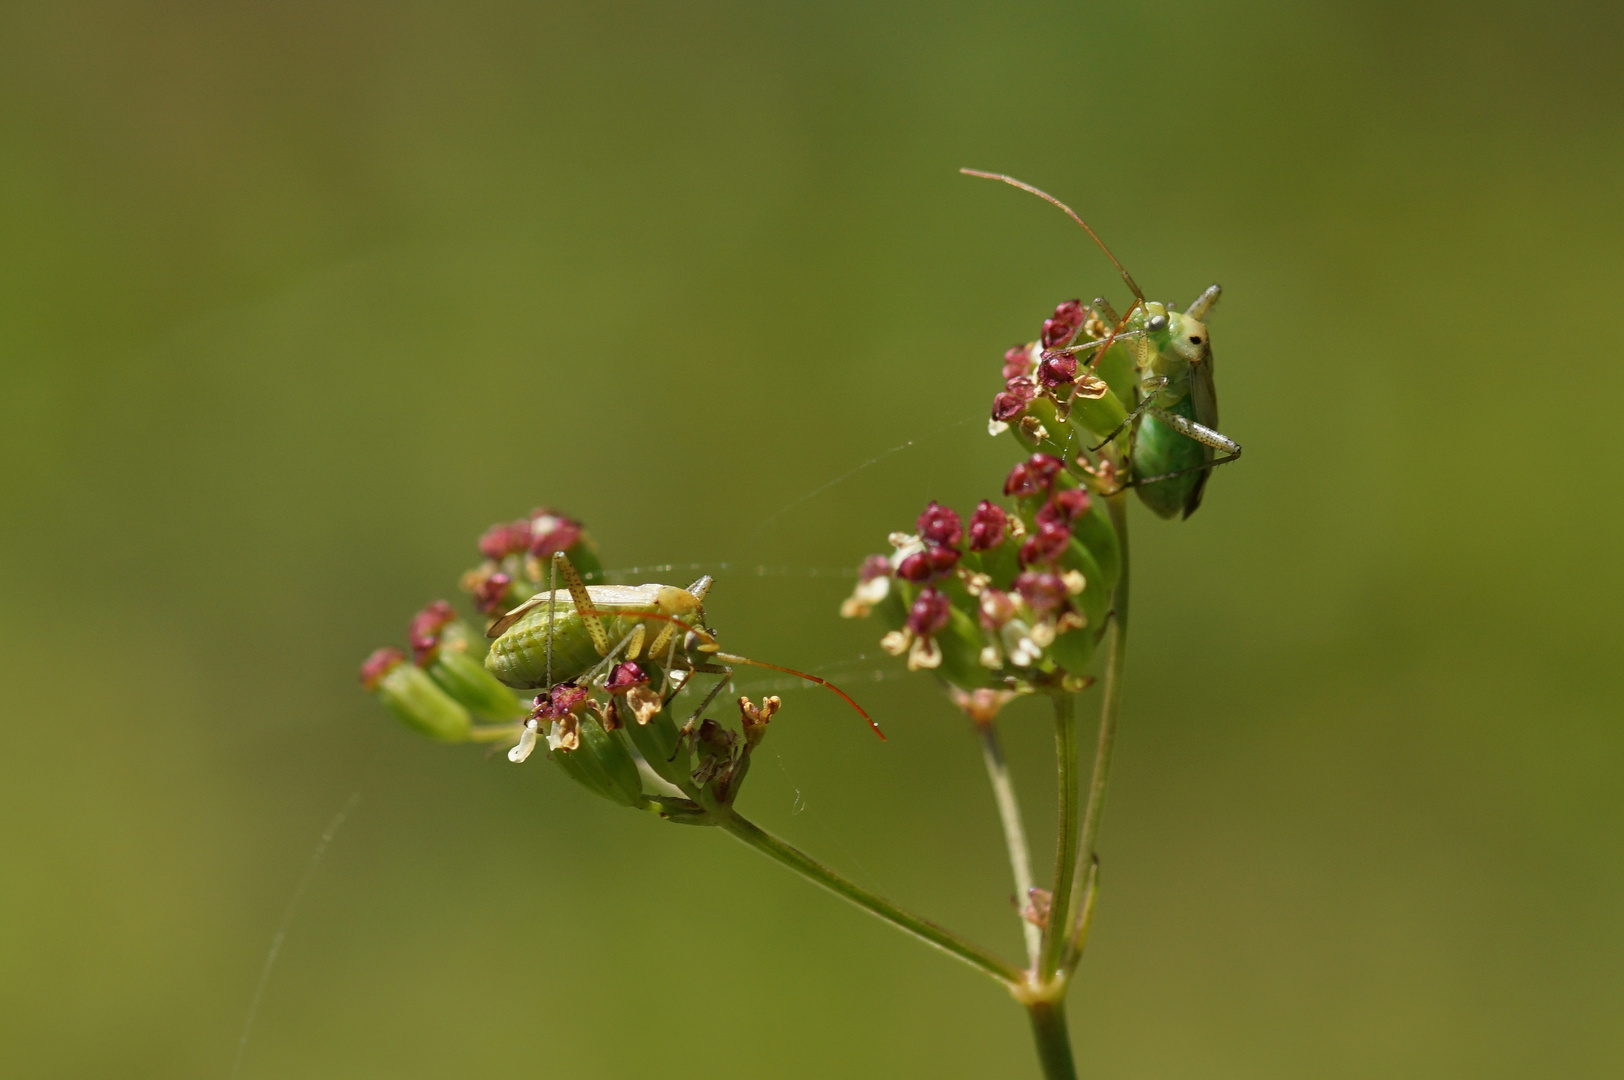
(602, 764)
(413, 698)
(466, 680)
(662, 746)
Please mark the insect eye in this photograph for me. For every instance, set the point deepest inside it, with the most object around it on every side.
(1194, 340)
(1156, 323)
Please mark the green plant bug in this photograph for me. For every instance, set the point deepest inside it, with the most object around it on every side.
(576, 634)
(1174, 422)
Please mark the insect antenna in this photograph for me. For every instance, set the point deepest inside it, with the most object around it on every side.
(729, 658)
(1133, 286)
(1044, 195)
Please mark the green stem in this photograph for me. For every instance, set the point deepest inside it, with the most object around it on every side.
(814, 871)
(1110, 710)
(1009, 812)
(1065, 854)
(1054, 1044)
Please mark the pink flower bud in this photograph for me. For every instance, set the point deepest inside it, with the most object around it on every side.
(875, 566)
(1072, 313)
(1056, 332)
(1033, 476)
(1043, 592)
(551, 533)
(996, 608)
(1046, 543)
(1064, 506)
(490, 595)
(501, 541)
(379, 664)
(987, 526)
(930, 613)
(431, 620)
(940, 525)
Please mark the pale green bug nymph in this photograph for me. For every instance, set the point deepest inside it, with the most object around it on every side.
(576, 635)
(1173, 428)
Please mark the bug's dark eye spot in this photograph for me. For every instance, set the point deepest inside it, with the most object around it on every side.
(1194, 340)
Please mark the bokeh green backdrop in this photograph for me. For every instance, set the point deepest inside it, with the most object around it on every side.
(298, 297)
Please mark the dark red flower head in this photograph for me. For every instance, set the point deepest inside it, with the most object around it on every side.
(940, 525)
(930, 613)
(1043, 592)
(987, 526)
(1033, 476)
(1046, 543)
(379, 664)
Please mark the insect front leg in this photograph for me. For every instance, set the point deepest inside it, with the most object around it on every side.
(1147, 394)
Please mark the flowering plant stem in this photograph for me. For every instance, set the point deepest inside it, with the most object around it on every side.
(799, 861)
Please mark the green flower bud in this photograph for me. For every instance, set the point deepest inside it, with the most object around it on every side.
(413, 698)
(467, 681)
(601, 763)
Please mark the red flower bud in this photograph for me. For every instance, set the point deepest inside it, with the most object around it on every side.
(559, 702)
(987, 526)
(1046, 544)
(930, 613)
(1043, 592)
(379, 664)
(1072, 312)
(1064, 506)
(1033, 476)
(1056, 332)
(431, 620)
(625, 676)
(933, 562)
(1057, 370)
(940, 525)
(1017, 360)
(490, 596)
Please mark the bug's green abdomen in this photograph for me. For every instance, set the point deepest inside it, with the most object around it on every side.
(1158, 449)
(519, 657)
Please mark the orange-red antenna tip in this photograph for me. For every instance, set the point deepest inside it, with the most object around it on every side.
(1133, 286)
(731, 659)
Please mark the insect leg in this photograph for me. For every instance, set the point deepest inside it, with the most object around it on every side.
(1161, 382)
(583, 603)
(1199, 432)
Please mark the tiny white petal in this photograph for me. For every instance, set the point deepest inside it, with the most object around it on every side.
(527, 743)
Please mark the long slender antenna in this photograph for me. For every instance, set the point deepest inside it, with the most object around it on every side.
(1133, 287)
(729, 658)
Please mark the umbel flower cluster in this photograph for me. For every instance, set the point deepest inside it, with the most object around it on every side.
(1017, 598)
(604, 718)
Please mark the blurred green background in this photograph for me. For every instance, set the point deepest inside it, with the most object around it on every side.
(299, 297)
